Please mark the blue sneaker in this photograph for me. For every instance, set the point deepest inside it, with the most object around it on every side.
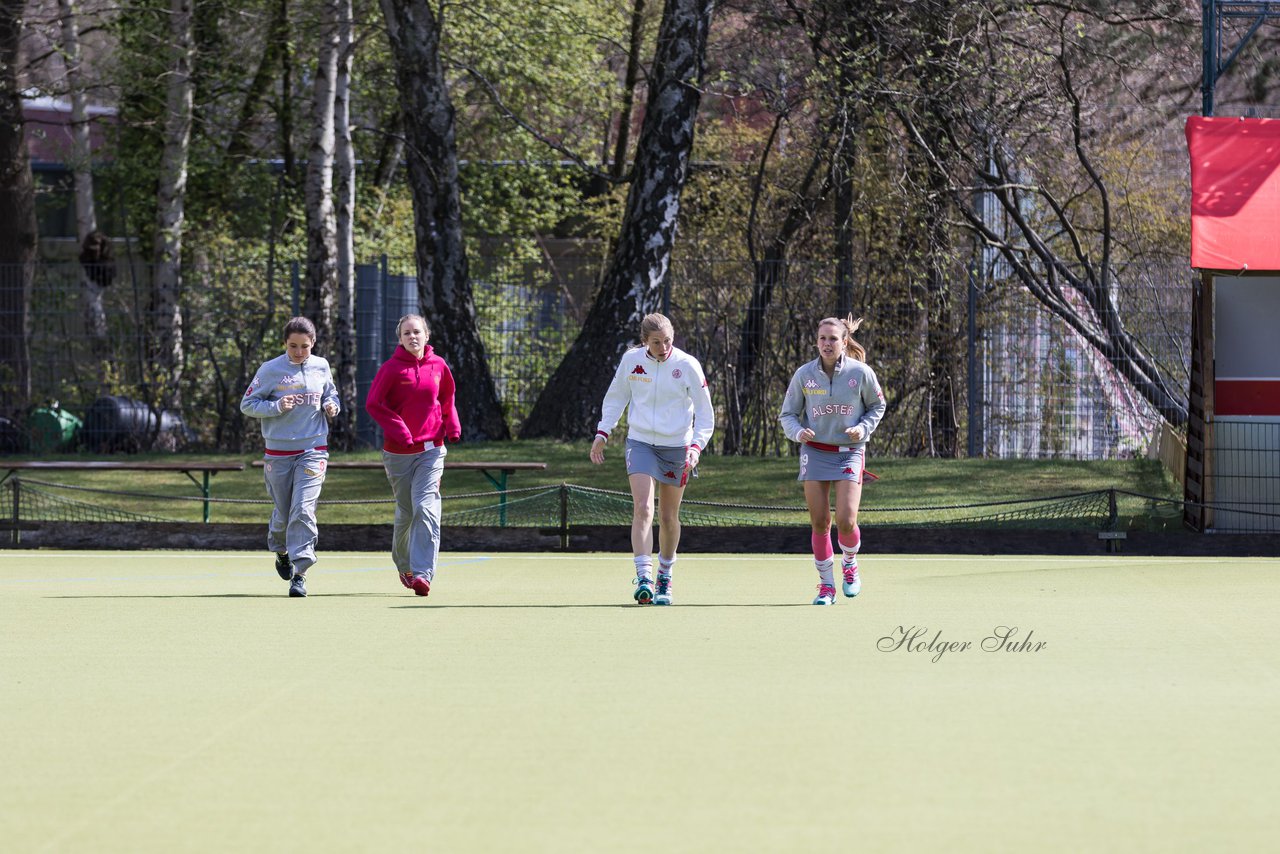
(297, 587)
(284, 568)
(644, 591)
(852, 583)
(662, 596)
(826, 595)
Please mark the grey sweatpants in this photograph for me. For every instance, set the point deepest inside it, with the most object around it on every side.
(294, 486)
(415, 483)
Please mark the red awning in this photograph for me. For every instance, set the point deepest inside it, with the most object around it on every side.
(1235, 193)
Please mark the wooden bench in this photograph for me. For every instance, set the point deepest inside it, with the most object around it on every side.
(207, 469)
(499, 483)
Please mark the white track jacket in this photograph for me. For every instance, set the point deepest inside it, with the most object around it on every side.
(667, 403)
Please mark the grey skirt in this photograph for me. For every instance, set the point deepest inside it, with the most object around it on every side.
(817, 464)
(665, 465)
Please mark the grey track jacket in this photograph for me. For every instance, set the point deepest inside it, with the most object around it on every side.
(829, 406)
(304, 427)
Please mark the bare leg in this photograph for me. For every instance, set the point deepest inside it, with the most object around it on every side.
(669, 528)
(642, 515)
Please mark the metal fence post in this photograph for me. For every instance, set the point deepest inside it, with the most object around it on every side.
(564, 516)
(17, 511)
(974, 379)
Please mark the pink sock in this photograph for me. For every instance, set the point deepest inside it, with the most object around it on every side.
(821, 545)
(850, 542)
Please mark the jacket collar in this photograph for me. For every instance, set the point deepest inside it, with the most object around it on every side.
(842, 362)
(403, 355)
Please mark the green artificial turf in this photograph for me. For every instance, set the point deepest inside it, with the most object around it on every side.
(162, 701)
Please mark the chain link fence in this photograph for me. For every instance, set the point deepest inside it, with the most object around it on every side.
(968, 368)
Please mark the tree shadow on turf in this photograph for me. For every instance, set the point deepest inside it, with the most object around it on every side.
(225, 596)
(626, 606)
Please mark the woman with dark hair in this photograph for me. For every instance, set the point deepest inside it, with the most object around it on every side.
(291, 395)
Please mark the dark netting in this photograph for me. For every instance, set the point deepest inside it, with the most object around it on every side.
(39, 505)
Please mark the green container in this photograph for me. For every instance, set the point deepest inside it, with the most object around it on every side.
(52, 428)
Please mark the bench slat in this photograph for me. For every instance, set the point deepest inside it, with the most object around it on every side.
(456, 466)
(112, 465)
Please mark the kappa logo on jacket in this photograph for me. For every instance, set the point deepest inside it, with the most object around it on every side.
(639, 369)
(811, 387)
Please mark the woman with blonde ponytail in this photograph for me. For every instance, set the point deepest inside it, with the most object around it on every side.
(833, 405)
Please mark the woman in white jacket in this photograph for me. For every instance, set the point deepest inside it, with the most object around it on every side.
(670, 420)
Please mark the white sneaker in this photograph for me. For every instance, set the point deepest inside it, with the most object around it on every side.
(852, 583)
(644, 591)
(662, 595)
(826, 595)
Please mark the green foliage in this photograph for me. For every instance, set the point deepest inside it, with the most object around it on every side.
(549, 63)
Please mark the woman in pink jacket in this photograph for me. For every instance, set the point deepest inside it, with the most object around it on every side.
(412, 400)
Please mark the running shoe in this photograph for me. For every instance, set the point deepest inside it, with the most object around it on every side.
(644, 591)
(284, 568)
(826, 595)
(406, 578)
(852, 583)
(662, 596)
(297, 587)
(420, 585)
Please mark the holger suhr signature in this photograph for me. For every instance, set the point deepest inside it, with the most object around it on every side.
(917, 639)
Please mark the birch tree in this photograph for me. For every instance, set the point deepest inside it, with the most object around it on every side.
(92, 279)
(634, 280)
(322, 226)
(166, 309)
(344, 349)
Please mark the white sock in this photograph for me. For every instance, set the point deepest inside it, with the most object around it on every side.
(665, 566)
(850, 558)
(644, 567)
(826, 570)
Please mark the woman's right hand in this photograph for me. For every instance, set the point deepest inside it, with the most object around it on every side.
(289, 401)
(597, 450)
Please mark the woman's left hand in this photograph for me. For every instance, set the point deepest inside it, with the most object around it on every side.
(855, 434)
(331, 409)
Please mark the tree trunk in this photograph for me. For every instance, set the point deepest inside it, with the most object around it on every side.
(940, 340)
(390, 153)
(633, 284)
(91, 289)
(444, 284)
(274, 45)
(17, 225)
(321, 288)
(769, 272)
(284, 108)
(166, 310)
(630, 77)
(344, 349)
